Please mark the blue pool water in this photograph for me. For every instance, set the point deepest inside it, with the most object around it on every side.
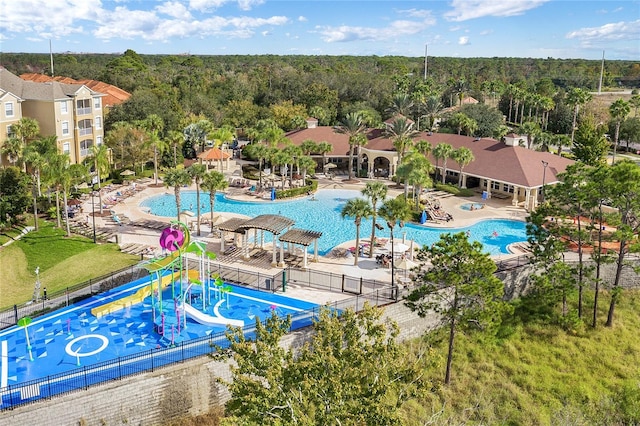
(323, 214)
(468, 206)
(72, 338)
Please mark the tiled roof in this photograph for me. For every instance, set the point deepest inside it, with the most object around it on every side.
(113, 95)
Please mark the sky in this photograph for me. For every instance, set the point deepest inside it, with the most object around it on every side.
(455, 28)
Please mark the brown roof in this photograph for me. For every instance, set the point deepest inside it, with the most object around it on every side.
(113, 95)
(303, 237)
(493, 159)
(214, 154)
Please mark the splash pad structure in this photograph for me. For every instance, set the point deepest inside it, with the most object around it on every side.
(191, 290)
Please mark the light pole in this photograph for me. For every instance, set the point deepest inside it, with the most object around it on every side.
(544, 175)
(93, 215)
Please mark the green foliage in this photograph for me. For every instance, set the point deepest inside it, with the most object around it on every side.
(460, 286)
(351, 372)
(15, 190)
(452, 189)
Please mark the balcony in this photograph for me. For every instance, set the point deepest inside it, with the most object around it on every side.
(84, 131)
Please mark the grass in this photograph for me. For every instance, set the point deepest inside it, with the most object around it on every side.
(540, 375)
(63, 262)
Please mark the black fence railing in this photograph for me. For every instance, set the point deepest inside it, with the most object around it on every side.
(85, 377)
(54, 300)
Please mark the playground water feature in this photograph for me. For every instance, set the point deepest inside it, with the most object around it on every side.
(61, 345)
(321, 212)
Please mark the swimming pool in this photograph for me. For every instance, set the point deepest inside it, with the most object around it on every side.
(471, 206)
(57, 348)
(322, 213)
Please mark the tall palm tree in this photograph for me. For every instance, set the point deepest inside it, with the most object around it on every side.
(635, 103)
(25, 130)
(417, 173)
(260, 152)
(424, 147)
(576, 98)
(560, 141)
(354, 127)
(56, 173)
(395, 211)
(309, 146)
(401, 104)
(618, 110)
(13, 149)
(443, 152)
(463, 156)
(176, 178)
(323, 149)
(175, 140)
(374, 192)
(358, 208)
(432, 109)
(153, 125)
(307, 165)
(459, 88)
(281, 159)
(197, 172)
(212, 182)
(36, 155)
(101, 165)
(531, 130)
(401, 131)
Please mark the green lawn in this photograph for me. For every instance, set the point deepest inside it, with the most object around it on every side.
(63, 262)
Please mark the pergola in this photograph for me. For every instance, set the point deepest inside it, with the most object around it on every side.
(305, 238)
(278, 226)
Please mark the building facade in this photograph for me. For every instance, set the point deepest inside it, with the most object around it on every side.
(72, 112)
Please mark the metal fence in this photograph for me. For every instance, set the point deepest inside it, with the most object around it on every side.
(83, 378)
(55, 300)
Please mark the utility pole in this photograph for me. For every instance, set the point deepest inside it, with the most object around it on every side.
(425, 60)
(601, 74)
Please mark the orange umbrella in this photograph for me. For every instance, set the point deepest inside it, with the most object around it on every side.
(213, 154)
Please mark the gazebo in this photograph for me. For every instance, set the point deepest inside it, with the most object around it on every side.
(278, 226)
(215, 154)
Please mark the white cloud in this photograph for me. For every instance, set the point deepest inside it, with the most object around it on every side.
(471, 9)
(347, 33)
(463, 41)
(486, 32)
(206, 5)
(416, 13)
(302, 19)
(615, 31)
(174, 9)
(265, 33)
(249, 4)
(58, 18)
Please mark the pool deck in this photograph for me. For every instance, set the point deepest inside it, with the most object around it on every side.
(129, 233)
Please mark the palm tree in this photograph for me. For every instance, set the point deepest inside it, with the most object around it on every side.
(443, 152)
(354, 127)
(36, 155)
(154, 124)
(25, 130)
(176, 178)
(358, 208)
(531, 130)
(309, 146)
(56, 173)
(417, 173)
(458, 120)
(260, 152)
(560, 141)
(13, 149)
(424, 147)
(619, 110)
(100, 158)
(635, 103)
(174, 140)
(307, 165)
(401, 131)
(401, 104)
(432, 109)
(576, 98)
(395, 211)
(323, 149)
(197, 172)
(459, 88)
(463, 156)
(212, 182)
(374, 192)
(281, 159)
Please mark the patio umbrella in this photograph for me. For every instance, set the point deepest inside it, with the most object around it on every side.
(74, 202)
(127, 173)
(397, 247)
(405, 264)
(330, 166)
(187, 213)
(83, 185)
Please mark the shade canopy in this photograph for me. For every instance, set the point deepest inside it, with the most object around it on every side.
(127, 173)
(405, 264)
(397, 247)
(214, 154)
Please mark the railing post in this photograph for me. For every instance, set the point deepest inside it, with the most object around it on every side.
(343, 279)
(15, 314)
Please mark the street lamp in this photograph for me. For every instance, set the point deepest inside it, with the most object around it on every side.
(544, 175)
(93, 215)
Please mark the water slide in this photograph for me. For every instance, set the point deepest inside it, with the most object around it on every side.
(140, 295)
(205, 319)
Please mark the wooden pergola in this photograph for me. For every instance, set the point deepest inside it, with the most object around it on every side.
(278, 226)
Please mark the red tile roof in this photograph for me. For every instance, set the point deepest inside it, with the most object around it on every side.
(113, 95)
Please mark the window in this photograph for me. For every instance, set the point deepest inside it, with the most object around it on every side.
(96, 103)
(66, 148)
(98, 140)
(83, 106)
(65, 127)
(495, 185)
(98, 123)
(64, 107)
(508, 188)
(10, 132)
(85, 147)
(8, 109)
(84, 127)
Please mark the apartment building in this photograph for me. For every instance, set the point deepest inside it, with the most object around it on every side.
(72, 112)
